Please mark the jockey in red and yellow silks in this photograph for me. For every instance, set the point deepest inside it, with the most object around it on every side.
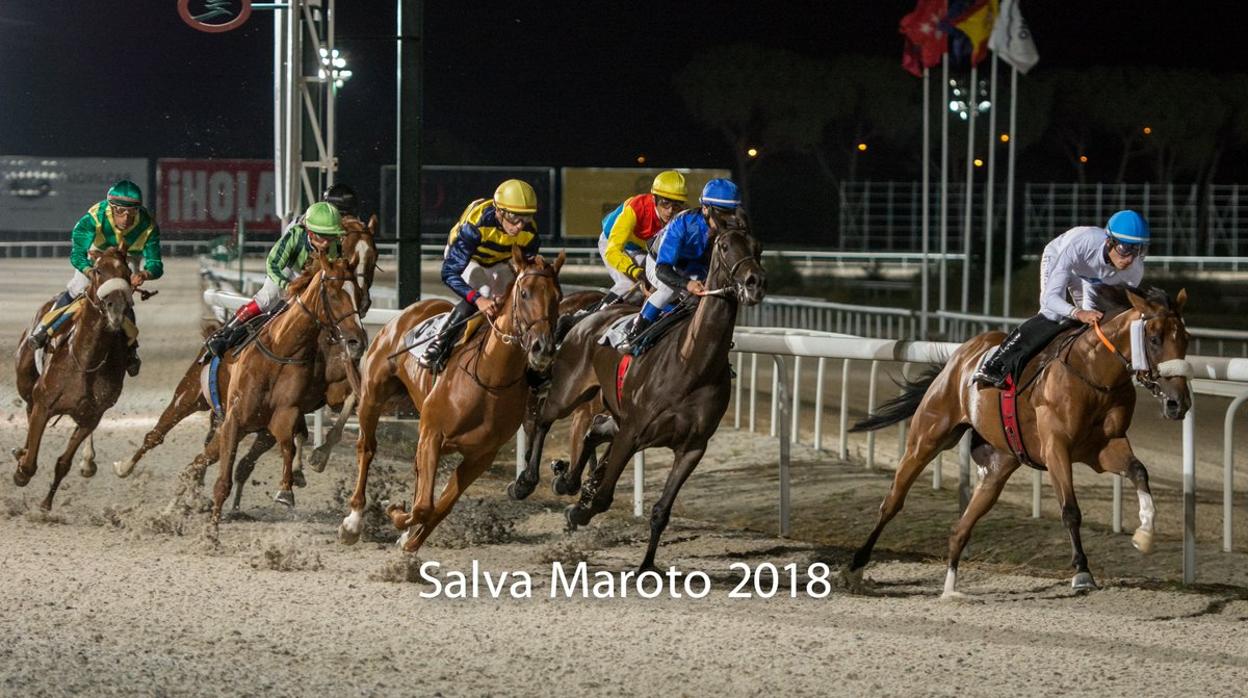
(629, 228)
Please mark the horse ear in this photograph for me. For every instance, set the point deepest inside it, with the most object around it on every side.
(1180, 301)
(517, 258)
(372, 225)
(1138, 301)
(563, 257)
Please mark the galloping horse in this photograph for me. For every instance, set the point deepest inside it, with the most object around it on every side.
(329, 386)
(672, 396)
(83, 373)
(1075, 404)
(271, 375)
(474, 407)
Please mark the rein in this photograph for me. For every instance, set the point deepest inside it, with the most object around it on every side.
(504, 337)
(335, 332)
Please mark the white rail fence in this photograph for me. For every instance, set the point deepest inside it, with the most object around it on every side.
(1227, 377)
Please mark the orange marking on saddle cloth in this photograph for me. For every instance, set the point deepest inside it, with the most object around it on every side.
(620, 372)
(1009, 421)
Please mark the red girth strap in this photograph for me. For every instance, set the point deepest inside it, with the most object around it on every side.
(620, 372)
(1009, 421)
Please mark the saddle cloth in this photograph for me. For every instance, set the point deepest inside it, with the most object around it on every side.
(418, 338)
(615, 333)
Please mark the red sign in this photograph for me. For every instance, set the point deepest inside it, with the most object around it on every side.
(215, 194)
(214, 16)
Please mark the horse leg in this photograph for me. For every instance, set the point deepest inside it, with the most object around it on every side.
(930, 434)
(995, 469)
(596, 429)
(227, 449)
(86, 467)
(192, 478)
(597, 495)
(1117, 457)
(186, 401)
(425, 466)
(320, 456)
(66, 460)
(682, 468)
(467, 473)
(301, 440)
(283, 427)
(247, 464)
(1057, 460)
(28, 457)
(526, 481)
(371, 403)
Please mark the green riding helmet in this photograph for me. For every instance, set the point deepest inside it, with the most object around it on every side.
(323, 218)
(125, 194)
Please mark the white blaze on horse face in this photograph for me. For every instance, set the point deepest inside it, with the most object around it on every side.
(1147, 511)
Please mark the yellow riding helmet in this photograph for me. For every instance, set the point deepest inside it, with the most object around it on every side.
(670, 184)
(517, 196)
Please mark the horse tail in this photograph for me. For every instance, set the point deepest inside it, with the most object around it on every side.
(903, 406)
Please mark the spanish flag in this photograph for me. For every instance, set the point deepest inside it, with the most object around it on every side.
(976, 23)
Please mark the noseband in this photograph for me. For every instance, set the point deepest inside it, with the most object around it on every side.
(1148, 379)
(515, 288)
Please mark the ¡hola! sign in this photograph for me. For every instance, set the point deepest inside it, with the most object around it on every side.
(214, 16)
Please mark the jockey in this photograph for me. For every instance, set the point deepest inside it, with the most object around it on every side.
(475, 264)
(118, 221)
(318, 231)
(344, 199)
(1076, 262)
(628, 229)
(681, 253)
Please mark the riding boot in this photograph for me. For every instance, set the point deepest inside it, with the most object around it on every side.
(39, 336)
(232, 331)
(635, 330)
(1023, 343)
(439, 350)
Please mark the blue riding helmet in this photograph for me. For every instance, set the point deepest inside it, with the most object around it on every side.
(1129, 231)
(721, 193)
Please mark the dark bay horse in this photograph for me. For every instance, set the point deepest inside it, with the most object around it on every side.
(83, 371)
(673, 396)
(474, 406)
(1076, 407)
(329, 384)
(272, 374)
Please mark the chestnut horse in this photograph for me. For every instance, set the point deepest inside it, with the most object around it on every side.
(673, 396)
(329, 385)
(83, 371)
(272, 374)
(1075, 404)
(473, 408)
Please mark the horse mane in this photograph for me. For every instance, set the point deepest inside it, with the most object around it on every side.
(1117, 299)
(294, 288)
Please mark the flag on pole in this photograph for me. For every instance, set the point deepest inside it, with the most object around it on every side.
(1011, 39)
(925, 39)
(976, 23)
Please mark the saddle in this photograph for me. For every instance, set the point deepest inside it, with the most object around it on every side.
(417, 339)
(618, 331)
(1033, 367)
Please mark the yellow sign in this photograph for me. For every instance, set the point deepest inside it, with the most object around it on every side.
(590, 193)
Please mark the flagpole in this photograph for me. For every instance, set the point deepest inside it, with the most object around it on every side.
(970, 191)
(992, 180)
(926, 177)
(1009, 191)
(944, 188)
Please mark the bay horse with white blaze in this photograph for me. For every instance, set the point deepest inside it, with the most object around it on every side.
(82, 373)
(672, 396)
(1075, 404)
(474, 406)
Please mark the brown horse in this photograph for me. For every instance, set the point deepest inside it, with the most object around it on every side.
(83, 372)
(673, 396)
(1076, 404)
(329, 385)
(272, 374)
(473, 408)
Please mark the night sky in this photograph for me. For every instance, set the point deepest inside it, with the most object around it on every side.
(541, 83)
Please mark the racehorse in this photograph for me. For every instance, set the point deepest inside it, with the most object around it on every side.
(272, 374)
(473, 407)
(329, 386)
(1075, 403)
(672, 396)
(83, 372)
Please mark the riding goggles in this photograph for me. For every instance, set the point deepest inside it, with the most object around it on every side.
(1129, 249)
(514, 218)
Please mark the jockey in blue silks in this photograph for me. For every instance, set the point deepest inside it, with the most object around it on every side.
(681, 253)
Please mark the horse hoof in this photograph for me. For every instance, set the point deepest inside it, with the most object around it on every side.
(955, 597)
(346, 536)
(88, 469)
(1083, 581)
(20, 479)
(319, 459)
(562, 487)
(518, 489)
(402, 541)
(852, 579)
(298, 479)
(570, 518)
(1143, 541)
(286, 497)
(123, 468)
(558, 467)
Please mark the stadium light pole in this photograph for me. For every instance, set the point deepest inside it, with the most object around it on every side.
(409, 46)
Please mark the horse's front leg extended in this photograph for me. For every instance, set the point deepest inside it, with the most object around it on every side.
(28, 457)
(1118, 458)
(282, 426)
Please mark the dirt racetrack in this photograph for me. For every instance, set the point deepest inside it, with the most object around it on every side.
(107, 595)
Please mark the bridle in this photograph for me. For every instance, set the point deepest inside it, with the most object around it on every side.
(1149, 378)
(333, 325)
(505, 338)
(733, 287)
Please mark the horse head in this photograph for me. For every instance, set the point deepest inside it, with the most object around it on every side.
(532, 306)
(320, 291)
(109, 290)
(359, 247)
(1165, 347)
(736, 258)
